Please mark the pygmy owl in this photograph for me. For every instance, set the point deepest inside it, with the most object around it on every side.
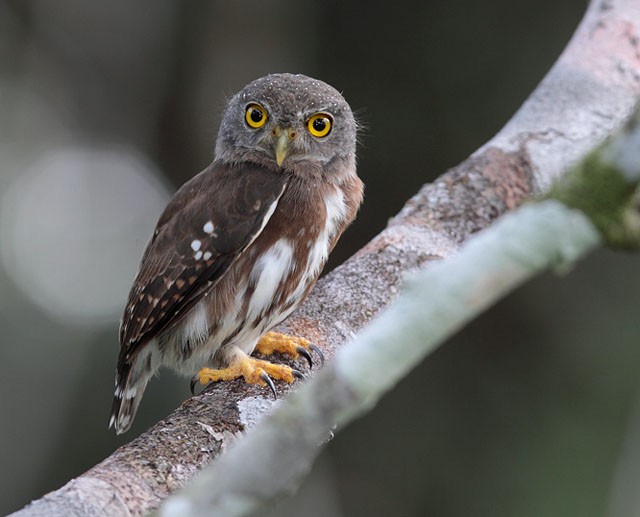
(240, 245)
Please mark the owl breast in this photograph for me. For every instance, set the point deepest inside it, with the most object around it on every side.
(284, 274)
(263, 287)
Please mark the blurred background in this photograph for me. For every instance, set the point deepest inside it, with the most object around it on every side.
(107, 107)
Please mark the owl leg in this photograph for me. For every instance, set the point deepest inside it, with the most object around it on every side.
(254, 371)
(293, 346)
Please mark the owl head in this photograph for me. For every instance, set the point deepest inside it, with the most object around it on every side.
(287, 121)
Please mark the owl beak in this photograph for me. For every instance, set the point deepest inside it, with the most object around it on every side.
(282, 140)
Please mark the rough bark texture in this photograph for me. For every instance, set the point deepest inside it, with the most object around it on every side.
(436, 302)
(589, 92)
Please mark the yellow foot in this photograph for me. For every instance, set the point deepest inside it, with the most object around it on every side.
(293, 346)
(254, 371)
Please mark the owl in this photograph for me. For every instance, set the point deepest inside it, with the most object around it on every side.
(241, 244)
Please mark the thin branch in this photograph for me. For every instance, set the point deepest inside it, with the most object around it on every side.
(588, 93)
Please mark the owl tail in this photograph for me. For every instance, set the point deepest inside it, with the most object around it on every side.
(130, 385)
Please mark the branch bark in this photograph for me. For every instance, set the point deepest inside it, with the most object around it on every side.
(599, 203)
(589, 92)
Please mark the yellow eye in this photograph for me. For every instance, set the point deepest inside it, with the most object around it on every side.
(256, 116)
(319, 124)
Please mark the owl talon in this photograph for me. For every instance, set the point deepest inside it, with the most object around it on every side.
(305, 353)
(270, 383)
(317, 350)
(293, 346)
(192, 384)
(252, 370)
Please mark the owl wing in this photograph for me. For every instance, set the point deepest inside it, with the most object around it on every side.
(209, 222)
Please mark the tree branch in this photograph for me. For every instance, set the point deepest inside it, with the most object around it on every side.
(589, 92)
(436, 303)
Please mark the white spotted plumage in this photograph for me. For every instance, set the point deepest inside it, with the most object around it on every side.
(208, 228)
(275, 266)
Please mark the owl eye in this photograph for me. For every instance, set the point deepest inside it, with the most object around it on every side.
(255, 115)
(319, 124)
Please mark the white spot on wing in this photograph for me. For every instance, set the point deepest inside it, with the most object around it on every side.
(198, 255)
(195, 244)
(208, 227)
(207, 255)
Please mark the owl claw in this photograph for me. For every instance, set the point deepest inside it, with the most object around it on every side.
(270, 383)
(317, 351)
(292, 346)
(305, 353)
(254, 371)
(192, 384)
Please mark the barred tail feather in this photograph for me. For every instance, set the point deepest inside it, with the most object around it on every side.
(131, 381)
(126, 400)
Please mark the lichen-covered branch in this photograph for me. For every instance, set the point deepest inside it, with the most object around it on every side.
(603, 187)
(590, 91)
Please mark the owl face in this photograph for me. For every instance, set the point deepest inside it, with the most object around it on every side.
(287, 120)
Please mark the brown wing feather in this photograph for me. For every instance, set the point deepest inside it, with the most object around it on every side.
(186, 256)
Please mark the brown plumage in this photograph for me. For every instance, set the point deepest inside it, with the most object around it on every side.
(241, 244)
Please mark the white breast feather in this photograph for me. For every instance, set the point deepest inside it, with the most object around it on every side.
(232, 318)
(269, 271)
(272, 268)
(336, 211)
(196, 326)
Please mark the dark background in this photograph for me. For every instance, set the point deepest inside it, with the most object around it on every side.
(107, 107)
